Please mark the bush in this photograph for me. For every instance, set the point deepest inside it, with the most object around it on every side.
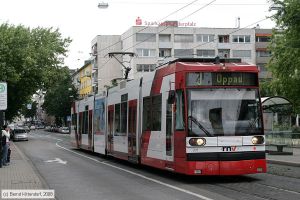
(295, 129)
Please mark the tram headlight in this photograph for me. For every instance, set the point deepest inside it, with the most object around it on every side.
(257, 140)
(197, 141)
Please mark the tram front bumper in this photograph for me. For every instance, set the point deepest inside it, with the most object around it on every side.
(226, 167)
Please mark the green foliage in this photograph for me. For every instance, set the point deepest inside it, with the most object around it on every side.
(29, 113)
(59, 97)
(28, 58)
(285, 47)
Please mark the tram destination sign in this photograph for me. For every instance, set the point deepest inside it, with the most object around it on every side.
(221, 79)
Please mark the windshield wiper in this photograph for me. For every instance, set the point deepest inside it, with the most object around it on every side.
(193, 119)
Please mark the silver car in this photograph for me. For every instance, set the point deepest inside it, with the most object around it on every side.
(19, 135)
(64, 130)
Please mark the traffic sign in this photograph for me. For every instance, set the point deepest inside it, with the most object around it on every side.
(3, 95)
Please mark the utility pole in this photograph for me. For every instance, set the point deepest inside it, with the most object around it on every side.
(3, 106)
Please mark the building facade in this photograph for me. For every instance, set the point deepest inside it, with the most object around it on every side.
(263, 55)
(85, 79)
(156, 45)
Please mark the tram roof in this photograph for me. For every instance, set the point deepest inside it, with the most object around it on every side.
(208, 64)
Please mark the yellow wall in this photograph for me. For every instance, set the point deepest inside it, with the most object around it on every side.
(85, 77)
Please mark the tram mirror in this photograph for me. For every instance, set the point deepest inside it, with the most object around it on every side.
(171, 97)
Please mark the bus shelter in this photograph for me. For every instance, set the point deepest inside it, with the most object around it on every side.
(277, 124)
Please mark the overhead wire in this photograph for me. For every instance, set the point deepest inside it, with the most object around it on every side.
(206, 5)
(105, 48)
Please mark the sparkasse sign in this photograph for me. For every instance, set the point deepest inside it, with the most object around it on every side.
(3, 95)
(140, 22)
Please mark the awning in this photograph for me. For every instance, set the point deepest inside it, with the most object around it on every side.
(275, 101)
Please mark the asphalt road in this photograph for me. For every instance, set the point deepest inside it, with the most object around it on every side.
(79, 175)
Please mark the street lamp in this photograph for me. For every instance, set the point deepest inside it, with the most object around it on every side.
(102, 5)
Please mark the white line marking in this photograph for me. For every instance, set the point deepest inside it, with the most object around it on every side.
(57, 160)
(139, 175)
(276, 188)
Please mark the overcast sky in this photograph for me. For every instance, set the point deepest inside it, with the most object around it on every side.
(82, 20)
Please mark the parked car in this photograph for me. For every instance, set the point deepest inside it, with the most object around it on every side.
(26, 128)
(19, 134)
(32, 127)
(64, 129)
(40, 126)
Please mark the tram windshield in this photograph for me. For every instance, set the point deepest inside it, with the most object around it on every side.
(224, 112)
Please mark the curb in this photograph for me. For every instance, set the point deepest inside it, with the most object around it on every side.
(279, 162)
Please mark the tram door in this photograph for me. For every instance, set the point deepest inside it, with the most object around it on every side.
(132, 123)
(110, 128)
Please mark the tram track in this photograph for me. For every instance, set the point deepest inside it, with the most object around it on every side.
(260, 190)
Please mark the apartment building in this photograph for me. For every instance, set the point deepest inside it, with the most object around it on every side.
(85, 79)
(263, 54)
(155, 45)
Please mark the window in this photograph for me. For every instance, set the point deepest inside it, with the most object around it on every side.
(184, 38)
(164, 53)
(204, 38)
(146, 37)
(183, 53)
(83, 122)
(180, 110)
(223, 38)
(147, 113)
(117, 119)
(99, 116)
(263, 53)
(262, 67)
(145, 67)
(146, 52)
(156, 113)
(224, 53)
(123, 129)
(164, 38)
(263, 39)
(241, 38)
(152, 113)
(205, 53)
(241, 53)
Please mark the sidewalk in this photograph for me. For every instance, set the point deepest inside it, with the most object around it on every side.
(290, 160)
(20, 174)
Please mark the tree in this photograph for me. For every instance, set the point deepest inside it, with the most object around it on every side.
(59, 97)
(29, 112)
(285, 47)
(28, 58)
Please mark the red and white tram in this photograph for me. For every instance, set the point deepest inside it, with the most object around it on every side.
(190, 116)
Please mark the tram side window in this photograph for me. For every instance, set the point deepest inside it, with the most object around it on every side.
(117, 119)
(80, 122)
(123, 118)
(180, 110)
(84, 123)
(156, 113)
(147, 113)
(152, 113)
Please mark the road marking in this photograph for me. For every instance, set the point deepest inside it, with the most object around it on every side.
(139, 175)
(276, 188)
(57, 160)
